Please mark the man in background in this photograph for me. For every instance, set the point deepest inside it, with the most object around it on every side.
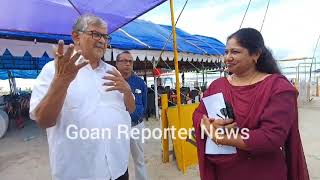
(124, 63)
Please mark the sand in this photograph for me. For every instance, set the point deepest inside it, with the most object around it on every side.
(24, 153)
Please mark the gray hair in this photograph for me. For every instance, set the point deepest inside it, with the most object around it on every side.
(85, 20)
(124, 52)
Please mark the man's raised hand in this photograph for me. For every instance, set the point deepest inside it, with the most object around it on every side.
(65, 68)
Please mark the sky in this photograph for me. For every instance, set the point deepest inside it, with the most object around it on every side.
(290, 30)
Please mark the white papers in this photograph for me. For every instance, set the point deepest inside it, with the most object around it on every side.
(214, 104)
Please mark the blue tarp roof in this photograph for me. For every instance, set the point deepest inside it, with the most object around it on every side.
(25, 62)
(208, 44)
(58, 16)
(138, 34)
(152, 36)
(155, 36)
(25, 74)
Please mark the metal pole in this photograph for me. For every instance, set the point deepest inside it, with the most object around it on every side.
(202, 76)
(145, 72)
(156, 92)
(182, 77)
(176, 65)
(308, 88)
(315, 69)
(317, 87)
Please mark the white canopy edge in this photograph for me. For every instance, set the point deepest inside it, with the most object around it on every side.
(37, 49)
(167, 55)
(19, 48)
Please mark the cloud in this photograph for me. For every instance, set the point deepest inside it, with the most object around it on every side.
(290, 28)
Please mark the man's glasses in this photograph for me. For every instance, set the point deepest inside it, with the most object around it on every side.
(97, 36)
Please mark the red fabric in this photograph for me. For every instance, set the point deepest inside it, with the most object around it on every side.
(269, 109)
(156, 72)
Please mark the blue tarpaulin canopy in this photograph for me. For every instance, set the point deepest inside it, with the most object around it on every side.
(207, 45)
(139, 34)
(57, 16)
(28, 31)
(25, 74)
(30, 51)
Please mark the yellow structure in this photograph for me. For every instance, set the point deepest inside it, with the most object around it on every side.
(164, 124)
(181, 133)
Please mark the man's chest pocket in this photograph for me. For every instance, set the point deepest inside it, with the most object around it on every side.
(138, 96)
(75, 97)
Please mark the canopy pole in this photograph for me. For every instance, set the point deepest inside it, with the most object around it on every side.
(202, 75)
(156, 92)
(12, 83)
(182, 77)
(176, 65)
(145, 72)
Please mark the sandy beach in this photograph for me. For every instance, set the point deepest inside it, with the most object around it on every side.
(24, 153)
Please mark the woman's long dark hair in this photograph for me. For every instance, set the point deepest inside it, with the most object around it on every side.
(252, 40)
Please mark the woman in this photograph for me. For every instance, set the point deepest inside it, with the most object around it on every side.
(262, 101)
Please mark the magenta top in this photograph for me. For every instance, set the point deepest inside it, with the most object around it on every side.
(269, 110)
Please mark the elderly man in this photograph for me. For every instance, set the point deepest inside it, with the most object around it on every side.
(74, 97)
(124, 63)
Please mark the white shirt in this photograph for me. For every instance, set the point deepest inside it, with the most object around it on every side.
(87, 105)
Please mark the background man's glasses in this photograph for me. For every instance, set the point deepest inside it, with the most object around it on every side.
(125, 61)
(97, 36)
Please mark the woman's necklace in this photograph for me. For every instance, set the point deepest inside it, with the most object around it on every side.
(249, 82)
